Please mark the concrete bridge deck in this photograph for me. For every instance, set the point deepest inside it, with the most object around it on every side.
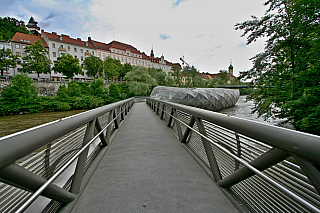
(146, 169)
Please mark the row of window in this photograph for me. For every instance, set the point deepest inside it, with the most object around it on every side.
(69, 48)
(133, 55)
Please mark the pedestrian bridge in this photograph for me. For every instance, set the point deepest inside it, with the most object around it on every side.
(153, 156)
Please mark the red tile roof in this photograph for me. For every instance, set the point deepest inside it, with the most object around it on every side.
(99, 45)
(28, 39)
(67, 39)
(123, 46)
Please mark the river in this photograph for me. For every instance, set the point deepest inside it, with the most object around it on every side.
(15, 123)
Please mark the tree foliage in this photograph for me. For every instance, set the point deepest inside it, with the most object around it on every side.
(67, 65)
(287, 72)
(140, 82)
(9, 27)
(7, 59)
(112, 67)
(93, 65)
(36, 59)
(177, 75)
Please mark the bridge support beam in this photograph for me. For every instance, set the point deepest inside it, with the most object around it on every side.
(78, 174)
(22, 178)
(207, 146)
(264, 161)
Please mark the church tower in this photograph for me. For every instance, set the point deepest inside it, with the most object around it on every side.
(32, 26)
(230, 69)
(152, 54)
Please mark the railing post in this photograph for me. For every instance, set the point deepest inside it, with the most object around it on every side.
(47, 160)
(116, 124)
(108, 134)
(212, 160)
(170, 118)
(99, 129)
(175, 114)
(312, 172)
(188, 130)
(237, 164)
(162, 111)
(122, 113)
(78, 174)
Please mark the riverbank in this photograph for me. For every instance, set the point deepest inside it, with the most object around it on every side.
(14, 123)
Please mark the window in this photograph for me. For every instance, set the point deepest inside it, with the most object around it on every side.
(23, 46)
(109, 55)
(113, 51)
(81, 50)
(75, 56)
(53, 45)
(18, 53)
(99, 54)
(87, 51)
(63, 54)
(92, 52)
(129, 60)
(75, 49)
(118, 51)
(61, 46)
(143, 63)
(139, 62)
(127, 53)
(81, 58)
(126, 60)
(114, 57)
(122, 59)
(68, 48)
(118, 58)
(17, 46)
(54, 54)
(104, 55)
(136, 61)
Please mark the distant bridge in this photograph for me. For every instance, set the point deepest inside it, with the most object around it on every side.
(158, 157)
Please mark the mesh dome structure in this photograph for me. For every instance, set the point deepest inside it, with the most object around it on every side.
(213, 99)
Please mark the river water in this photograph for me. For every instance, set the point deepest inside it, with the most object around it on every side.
(15, 123)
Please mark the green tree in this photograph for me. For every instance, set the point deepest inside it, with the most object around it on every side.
(94, 66)
(21, 90)
(126, 68)
(177, 75)
(36, 59)
(97, 87)
(112, 67)
(287, 72)
(9, 27)
(113, 91)
(140, 83)
(7, 60)
(67, 65)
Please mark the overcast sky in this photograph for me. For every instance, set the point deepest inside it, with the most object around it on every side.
(200, 30)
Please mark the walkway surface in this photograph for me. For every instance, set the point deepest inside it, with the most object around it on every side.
(146, 169)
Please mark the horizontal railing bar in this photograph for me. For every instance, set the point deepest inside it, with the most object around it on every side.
(12, 148)
(300, 143)
(65, 166)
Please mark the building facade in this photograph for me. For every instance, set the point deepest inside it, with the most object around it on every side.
(60, 45)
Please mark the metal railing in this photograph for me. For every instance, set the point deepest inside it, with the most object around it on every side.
(271, 169)
(42, 160)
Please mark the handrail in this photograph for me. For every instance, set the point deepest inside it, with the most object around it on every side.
(17, 146)
(56, 145)
(256, 148)
(300, 143)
